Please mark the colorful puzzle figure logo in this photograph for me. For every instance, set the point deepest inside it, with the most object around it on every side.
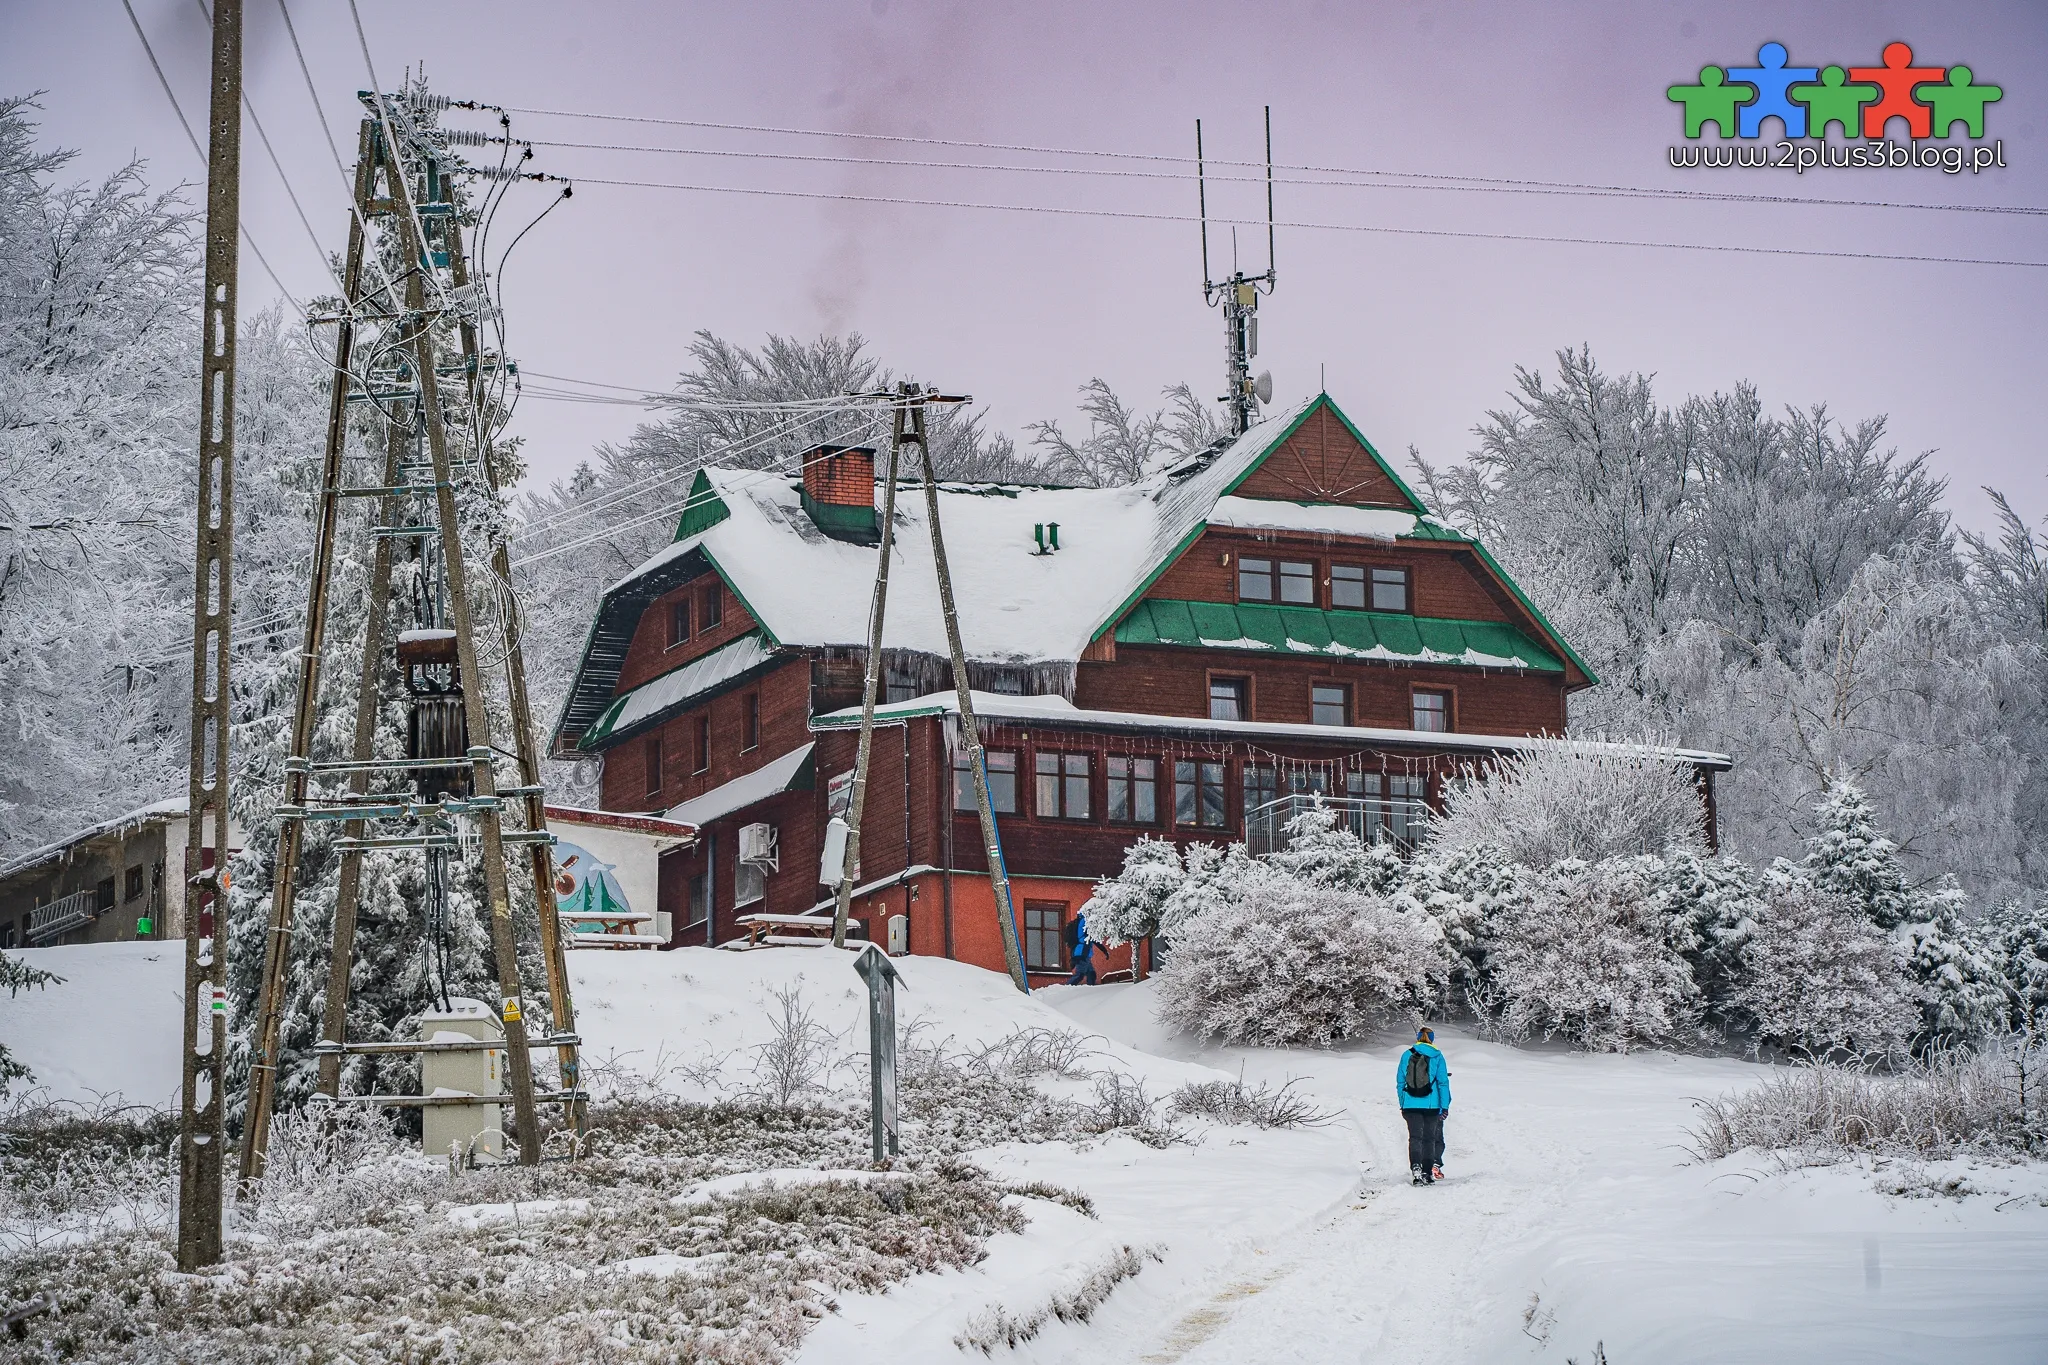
(1861, 100)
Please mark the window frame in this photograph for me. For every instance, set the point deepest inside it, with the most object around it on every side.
(1270, 573)
(133, 887)
(702, 756)
(1131, 783)
(711, 612)
(1372, 587)
(963, 791)
(1063, 778)
(1305, 581)
(1343, 691)
(1449, 711)
(1364, 582)
(1036, 910)
(750, 722)
(1243, 683)
(1193, 775)
(652, 762)
(744, 875)
(679, 615)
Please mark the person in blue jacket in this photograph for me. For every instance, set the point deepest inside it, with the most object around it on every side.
(1083, 950)
(1423, 1085)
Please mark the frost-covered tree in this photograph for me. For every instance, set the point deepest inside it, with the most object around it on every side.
(1126, 908)
(17, 976)
(1322, 850)
(1289, 962)
(1217, 875)
(1123, 445)
(1956, 975)
(1465, 891)
(1589, 958)
(1573, 800)
(2017, 937)
(1852, 858)
(1814, 974)
(1713, 904)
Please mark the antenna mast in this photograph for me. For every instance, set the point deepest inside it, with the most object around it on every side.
(1239, 294)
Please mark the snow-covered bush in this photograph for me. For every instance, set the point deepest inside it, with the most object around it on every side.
(1588, 957)
(1128, 906)
(1257, 1106)
(2018, 940)
(1465, 890)
(1814, 973)
(1714, 901)
(1962, 991)
(1950, 1104)
(1567, 800)
(1321, 850)
(1290, 962)
(17, 976)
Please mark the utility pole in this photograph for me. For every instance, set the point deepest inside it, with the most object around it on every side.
(1239, 295)
(870, 685)
(202, 1126)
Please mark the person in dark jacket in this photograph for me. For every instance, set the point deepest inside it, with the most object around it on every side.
(1422, 1083)
(1083, 951)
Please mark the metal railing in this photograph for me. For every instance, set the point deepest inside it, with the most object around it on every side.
(59, 917)
(1402, 821)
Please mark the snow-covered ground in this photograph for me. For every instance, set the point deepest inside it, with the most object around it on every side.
(1572, 1215)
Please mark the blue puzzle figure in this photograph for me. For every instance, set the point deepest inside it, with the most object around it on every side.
(1772, 78)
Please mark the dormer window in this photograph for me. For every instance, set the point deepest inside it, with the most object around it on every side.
(1255, 580)
(1298, 582)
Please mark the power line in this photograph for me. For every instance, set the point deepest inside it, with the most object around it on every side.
(1558, 185)
(200, 152)
(1363, 179)
(1315, 227)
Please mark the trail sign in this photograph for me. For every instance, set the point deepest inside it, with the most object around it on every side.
(881, 975)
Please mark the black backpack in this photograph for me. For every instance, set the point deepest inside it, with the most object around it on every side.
(1418, 1081)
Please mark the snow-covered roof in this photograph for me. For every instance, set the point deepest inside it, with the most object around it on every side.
(169, 808)
(778, 775)
(679, 687)
(1058, 711)
(1338, 519)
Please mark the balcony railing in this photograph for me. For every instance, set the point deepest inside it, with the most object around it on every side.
(58, 918)
(1401, 821)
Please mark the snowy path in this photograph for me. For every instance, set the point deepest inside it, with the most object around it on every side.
(1567, 1183)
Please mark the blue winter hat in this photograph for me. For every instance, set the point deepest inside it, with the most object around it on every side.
(1425, 1035)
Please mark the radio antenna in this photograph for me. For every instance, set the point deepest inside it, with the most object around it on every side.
(1240, 297)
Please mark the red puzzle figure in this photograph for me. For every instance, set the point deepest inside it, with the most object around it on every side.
(1896, 78)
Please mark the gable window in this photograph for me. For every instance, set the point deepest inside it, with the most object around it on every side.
(650, 761)
(750, 721)
(714, 608)
(1002, 781)
(1432, 710)
(1198, 794)
(1062, 786)
(1254, 580)
(1045, 936)
(1347, 586)
(1329, 704)
(1133, 789)
(1390, 590)
(678, 621)
(1298, 583)
(703, 754)
(1228, 699)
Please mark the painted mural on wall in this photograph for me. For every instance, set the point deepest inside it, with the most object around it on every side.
(586, 885)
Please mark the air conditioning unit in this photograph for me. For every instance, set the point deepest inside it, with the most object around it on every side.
(757, 847)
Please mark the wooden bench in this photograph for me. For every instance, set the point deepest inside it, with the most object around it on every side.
(784, 931)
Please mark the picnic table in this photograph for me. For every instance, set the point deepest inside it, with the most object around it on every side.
(784, 931)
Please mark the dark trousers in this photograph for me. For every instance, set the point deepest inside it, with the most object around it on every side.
(1425, 1137)
(1084, 971)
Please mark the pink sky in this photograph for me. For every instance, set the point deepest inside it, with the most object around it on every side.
(1419, 336)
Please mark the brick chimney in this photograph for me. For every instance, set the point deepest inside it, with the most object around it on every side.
(839, 492)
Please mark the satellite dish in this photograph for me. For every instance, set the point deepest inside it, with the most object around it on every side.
(1262, 387)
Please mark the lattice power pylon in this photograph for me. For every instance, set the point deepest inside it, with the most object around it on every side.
(405, 281)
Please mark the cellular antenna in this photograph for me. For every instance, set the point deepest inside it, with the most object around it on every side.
(1239, 294)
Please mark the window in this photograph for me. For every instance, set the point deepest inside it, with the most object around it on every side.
(134, 888)
(1369, 817)
(103, 895)
(650, 763)
(1254, 580)
(1062, 786)
(749, 884)
(1390, 590)
(1002, 781)
(1347, 586)
(750, 721)
(1298, 583)
(1133, 789)
(7, 934)
(1260, 791)
(1432, 710)
(1406, 814)
(1045, 936)
(700, 898)
(678, 621)
(898, 685)
(1227, 699)
(1007, 684)
(1329, 704)
(714, 608)
(703, 751)
(1198, 794)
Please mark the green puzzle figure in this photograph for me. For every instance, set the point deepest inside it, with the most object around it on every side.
(1833, 102)
(1710, 101)
(1959, 102)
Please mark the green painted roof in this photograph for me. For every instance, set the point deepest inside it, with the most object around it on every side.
(1378, 635)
